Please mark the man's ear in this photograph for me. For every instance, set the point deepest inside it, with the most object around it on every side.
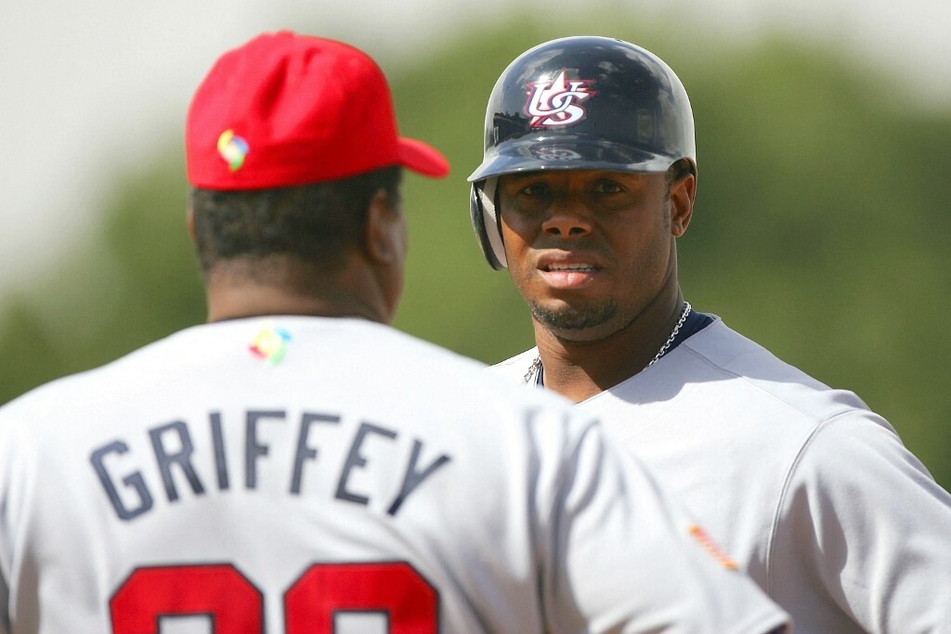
(384, 234)
(683, 192)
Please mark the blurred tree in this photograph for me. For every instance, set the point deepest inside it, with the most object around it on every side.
(822, 186)
(135, 282)
(819, 229)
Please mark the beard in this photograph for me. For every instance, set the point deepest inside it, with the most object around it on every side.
(572, 317)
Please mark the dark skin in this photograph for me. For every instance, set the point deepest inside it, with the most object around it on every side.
(368, 285)
(594, 254)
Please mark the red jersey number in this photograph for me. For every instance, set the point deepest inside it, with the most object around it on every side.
(236, 606)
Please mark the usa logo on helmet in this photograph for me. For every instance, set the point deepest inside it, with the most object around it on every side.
(557, 102)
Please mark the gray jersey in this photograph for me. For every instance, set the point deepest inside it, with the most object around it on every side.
(812, 493)
(336, 475)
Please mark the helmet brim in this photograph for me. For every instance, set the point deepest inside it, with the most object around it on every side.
(567, 152)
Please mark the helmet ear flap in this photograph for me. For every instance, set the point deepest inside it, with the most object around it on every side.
(485, 222)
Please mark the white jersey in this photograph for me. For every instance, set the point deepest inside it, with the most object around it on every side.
(335, 475)
(812, 493)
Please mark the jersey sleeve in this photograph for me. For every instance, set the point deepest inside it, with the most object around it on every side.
(870, 525)
(4, 602)
(7, 504)
(19, 477)
(620, 555)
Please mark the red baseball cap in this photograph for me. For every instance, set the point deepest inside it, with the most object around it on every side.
(287, 109)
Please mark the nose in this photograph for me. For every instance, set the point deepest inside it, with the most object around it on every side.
(567, 219)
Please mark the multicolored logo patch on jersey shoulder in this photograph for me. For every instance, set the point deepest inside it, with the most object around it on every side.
(554, 103)
(232, 149)
(270, 344)
(712, 547)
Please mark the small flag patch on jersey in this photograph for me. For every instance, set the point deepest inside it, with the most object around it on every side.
(270, 344)
(711, 547)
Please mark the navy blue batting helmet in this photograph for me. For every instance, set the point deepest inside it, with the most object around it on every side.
(579, 103)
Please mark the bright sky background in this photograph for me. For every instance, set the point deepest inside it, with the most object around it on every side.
(87, 85)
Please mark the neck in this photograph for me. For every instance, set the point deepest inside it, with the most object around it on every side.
(254, 301)
(579, 370)
(233, 294)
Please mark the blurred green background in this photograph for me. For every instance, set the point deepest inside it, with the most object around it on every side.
(819, 231)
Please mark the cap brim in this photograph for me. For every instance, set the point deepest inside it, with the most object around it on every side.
(422, 158)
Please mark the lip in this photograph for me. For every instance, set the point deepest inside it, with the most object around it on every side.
(568, 270)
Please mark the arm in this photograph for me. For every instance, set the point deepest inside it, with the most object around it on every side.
(864, 517)
(622, 557)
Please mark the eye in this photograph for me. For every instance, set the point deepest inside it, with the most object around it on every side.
(606, 186)
(535, 189)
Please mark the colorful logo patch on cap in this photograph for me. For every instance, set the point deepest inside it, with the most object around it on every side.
(270, 344)
(557, 102)
(232, 149)
(711, 547)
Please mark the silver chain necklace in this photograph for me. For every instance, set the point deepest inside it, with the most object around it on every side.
(536, 365)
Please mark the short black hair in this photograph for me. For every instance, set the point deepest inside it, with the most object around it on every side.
(313, 223)
(679, 169)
